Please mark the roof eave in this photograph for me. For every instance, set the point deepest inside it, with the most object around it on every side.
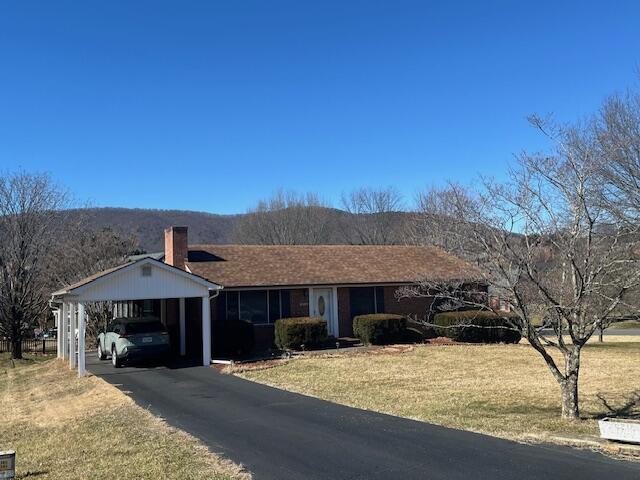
(192, 276)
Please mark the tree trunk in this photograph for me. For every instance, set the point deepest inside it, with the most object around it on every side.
(570, 408)
(601, 334)
(569, 386)
(16, 349)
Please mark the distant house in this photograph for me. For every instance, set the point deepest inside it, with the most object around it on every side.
(262, 283)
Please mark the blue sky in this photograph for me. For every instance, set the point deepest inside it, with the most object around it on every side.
(212, 105)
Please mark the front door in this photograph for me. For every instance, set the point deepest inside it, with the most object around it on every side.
(322, 307)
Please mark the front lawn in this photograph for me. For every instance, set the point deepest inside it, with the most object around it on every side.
(502, 390)
(65, 427)
(626, 324)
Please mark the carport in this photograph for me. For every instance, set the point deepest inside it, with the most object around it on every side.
(143, 279)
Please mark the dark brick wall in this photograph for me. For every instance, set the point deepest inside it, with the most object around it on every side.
(345, 322)
(418, 306)
(407, 306)
(299, 302)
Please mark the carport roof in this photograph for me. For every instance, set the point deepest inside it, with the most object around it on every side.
(91, 279)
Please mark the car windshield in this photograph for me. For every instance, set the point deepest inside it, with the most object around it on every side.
(144, 327)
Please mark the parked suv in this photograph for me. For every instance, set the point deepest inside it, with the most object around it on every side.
(127, 339)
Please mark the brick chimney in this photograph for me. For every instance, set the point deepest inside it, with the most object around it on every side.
(176, 246)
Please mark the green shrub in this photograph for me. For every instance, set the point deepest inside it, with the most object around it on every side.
(413, 335)
(425, 331)
(292, 333)
(475, 326)
(380, 328)
(233, 337)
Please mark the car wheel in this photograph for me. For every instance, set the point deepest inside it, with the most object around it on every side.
(101, 355)
(114, 358)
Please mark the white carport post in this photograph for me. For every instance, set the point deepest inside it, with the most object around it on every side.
(81, 333)
(62, 330)
(72, 335)
(57, 314)
(206, 331)
(183, 328)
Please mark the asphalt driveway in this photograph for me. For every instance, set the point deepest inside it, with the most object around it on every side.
(281, 435)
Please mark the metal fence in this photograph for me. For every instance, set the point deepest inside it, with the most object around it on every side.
(32, 345)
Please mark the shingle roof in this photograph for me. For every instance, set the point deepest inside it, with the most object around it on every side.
(154, 255)
(286, 265)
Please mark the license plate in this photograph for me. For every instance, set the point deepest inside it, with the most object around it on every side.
(147, 339)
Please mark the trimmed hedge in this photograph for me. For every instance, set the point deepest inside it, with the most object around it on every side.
(233, 337)
(292, 333)
(380, 328)
(422, 331)
(488, 327)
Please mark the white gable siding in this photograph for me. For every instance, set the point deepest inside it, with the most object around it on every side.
(131, 284)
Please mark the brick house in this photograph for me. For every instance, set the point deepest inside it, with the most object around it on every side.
(195, 289)
(262, 283)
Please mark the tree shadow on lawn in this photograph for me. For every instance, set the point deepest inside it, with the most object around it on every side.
(626, 409)
(629, 408)
(36, 473)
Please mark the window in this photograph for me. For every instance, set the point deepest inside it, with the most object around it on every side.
(362, 300)
(274, 305)
(144, 327)
(221, 306)
(232, 306)
(379, 299)
(285, 303)
(256, 306)
(253, 306)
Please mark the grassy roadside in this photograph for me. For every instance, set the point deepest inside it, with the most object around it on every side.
(501, 390)
(64, 427)
(626, 325)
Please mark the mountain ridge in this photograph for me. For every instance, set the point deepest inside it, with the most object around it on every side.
(147, 225)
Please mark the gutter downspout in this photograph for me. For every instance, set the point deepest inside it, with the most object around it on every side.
(217, 292)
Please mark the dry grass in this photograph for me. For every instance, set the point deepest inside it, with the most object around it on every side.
(502, 390)
(626, 325)
(64, 427)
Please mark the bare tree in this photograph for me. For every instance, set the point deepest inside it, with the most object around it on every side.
(545, 241)
(374, 218)
(286, 218)
(617, 129)
(87, 252)
(433, 225)
(28, 239)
